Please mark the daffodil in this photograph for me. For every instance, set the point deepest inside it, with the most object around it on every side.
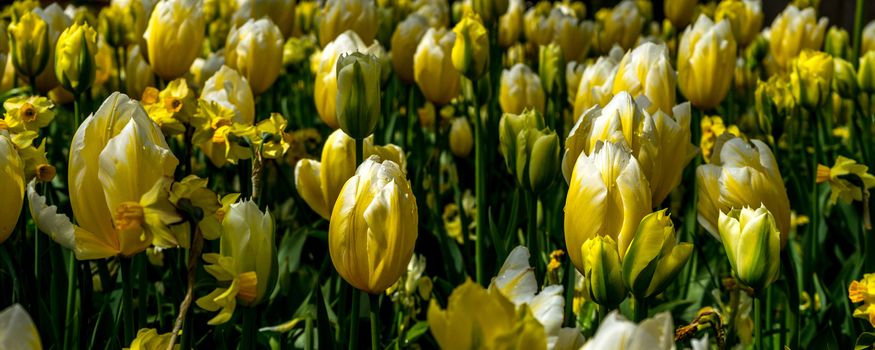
(149, 339)
(274, 138)
(848, 180)
(864, 291)
(28, 113)
(220, 135)
(172, 107)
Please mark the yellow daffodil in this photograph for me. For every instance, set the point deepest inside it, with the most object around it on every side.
(654, 257)
(705, 50)
(172, 107)
(255, 50)
(119, 172)
(433, 68)
(647, 71)
(174, 36)
(11, 185)
(28, 113)
(753, 245)
(461, 137)
(847, 180)
(794, 30)
(325, 89)
(520, 89)
(470, 54)
(220, 135)
(864, 291)
(338, 16)
(149, 339)
(405, 39)
(17, 330)
(373, 226)
(33, 155)
(191, 194)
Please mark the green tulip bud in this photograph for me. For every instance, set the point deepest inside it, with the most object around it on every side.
(602, 270)
(811, 78)
(358, 94)
(510, 127)
(838, 43)
(844, 79)
(551, 68)
(654, 257)
(753, 245)
(866, 73)
(537, 159)
(74, 57)
(470, 53)
(756, 51)
(29, 44)
(489, 10)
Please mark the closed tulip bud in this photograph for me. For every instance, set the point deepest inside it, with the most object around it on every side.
(753, 245)
(229, 88)
(811, 78)
(29, 44)
(325, 88)
(741, 174)
(680, 12)
(433, 68)
(596, 83)
(373, 226)
(654, 257)
(174, 37)
(256, 51)
(113, 148)
(138, 74)
(489, 10)
(746, 17)
(536, 24)
(647, 71)
(572, 33)
(866, 73)
(510, 24)
(520, 89)
(510, 127)
(844, 80)
(793, 31)
(537, 159)
(609, 177)
(280, 12)
(471, 49)
(339, 16)
(74, 58)
(461, 137)
(11, 185)
(112, 26)
(603, 278)
(705, 52)
(573, 73)
(868, 42)
(358, 94)
(619, 26)
(551, 69)
(405, 39)
(838, 43)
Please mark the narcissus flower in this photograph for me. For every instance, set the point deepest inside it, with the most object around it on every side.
(220, 133)
(339, 16)
(847, 180)
(149, 339)
(28, 113)
(174, 37)
(256, 51)
(864, 291)
(11, 185)
(520, 89)
(17, 330)
(172, 107)
(274, 139)
(753, 245)
(654, 257)
(433, 68)
(119, 172)
(373, 226)
(746, 17)
(705, 51)
(647, 71)
(470, 54)
(794, 30)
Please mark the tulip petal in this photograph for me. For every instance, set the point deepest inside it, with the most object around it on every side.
(307, 175)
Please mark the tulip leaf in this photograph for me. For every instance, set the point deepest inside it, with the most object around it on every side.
(865, 341)
(418, 330)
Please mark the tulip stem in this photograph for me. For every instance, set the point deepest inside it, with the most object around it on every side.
(480, 186)
(127, 299)
(758, 321)
(640, 309)
(354, 319)
(375, 320)
(71, 288)
(76, 117)
(532, 238)
(570, 276)
(250, 322)
(858, 29)
(359, 152)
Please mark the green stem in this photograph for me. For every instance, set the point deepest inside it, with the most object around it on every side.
(359, 152)
(532, 238)
(640, 309)
(354, 320)
(308, 332)
(127, 300)
(480, 187)
(570, 275)
(375, 320)
(71, 289)
(77, 118)
(858, 29)
(120, 69)
(758, 322)
(250, 318)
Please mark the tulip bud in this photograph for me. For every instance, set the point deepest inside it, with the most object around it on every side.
(705, 52)
(11, 185)
(794, 30)
(29, 44)
(256, 51)
(281, 13)
(471, 48)
(433, 66)
(489, 10)
(339, 16)
(838, 43)
(753, 245)
(538, 163)
(138, 74)
(358, 94)
(551, 68)
(746, 17)
(520, 89)
(373, 226)
(112, 25)
(811, 78)
(509, 141)
(620, 25)
(844, 80)
(866, 73)
(325, 90)
(596, 83)
(647, 71)
(74, 58)
(602, 271)
(461, 138)
(654, 256)
(868, 43)
(680, 12)
(174, 37)
(510, 24)
(406, 38)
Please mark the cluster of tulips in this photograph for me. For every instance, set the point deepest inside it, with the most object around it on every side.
(478, 174)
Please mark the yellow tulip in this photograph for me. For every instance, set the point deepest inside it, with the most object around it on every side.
(11, 185)
(28, 113)
(741, 174)
(654, 257)
(204, 68)
(489, 10)
(603, 271)
(58, 21)
(868, 42)
(17, 330)
(246, 265)
(510, 24)
(116, 147)
(530, 150)
(608, 196)
(339, 16)
(319, 183)
(470, 54)
(437, 12)
(866, 73)
(647, 71)
(433, 68)
(74, 58)
(149, 339)
(844, 79)
(573, 74)
(680, 12)
(596, 83)
(281, 13)
(29, 44)
(373, 226)
(615, 332)
(794, 30)
(811, 78)
(572, 34)
(745, 16)
(536, 24)
(551, 69)
(174, 37)
(231, 89)
(405, 39)
(461, 137)
(706, 50)
(753, 245)
(864, 291)
(520, 89)
(48, 220)
(358, 94)
(619, 26)
(256, 51)
(325, 89)
(138, 73)
(838, 43)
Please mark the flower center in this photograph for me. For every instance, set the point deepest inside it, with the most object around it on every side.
(28, 113)
(128, 215)
(172, 104)
(45, 172)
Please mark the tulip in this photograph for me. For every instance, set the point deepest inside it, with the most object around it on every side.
(647, 71)
(48, 220)
(520, 89)
(510, 127)
(319, 183)
(325, 89)
(619, 26)
(615, 332)
(405, 39)
(281, 13)
(551, 69)
(433, 68)
(741, 174)
(29, 44)
(536, 160)
(489, 10)
(470, 53)
(794, 30)
(838, 43)
(705, 50)
(138, 73)
(745, 16)
(339, 16)
(866, 73)
(461, 137)
(868, 42)
(602, 271)
(17, 330)
(680, 12)
(437, 12)
(811, 78)
(373, 226)
(510, 24)
(596, 83)
(654, 257)
(753, 245)
(358, 94)
(573, 73)
(58, 21)
(11, 185)
(256, 51)
(844, 79)
(230, 89)
(204, 68)
(536, 24)
(74, 58)
(246, 261)
(573, 34)
(119, 171)
(174, 37)
(608, 196)
(28, 113)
